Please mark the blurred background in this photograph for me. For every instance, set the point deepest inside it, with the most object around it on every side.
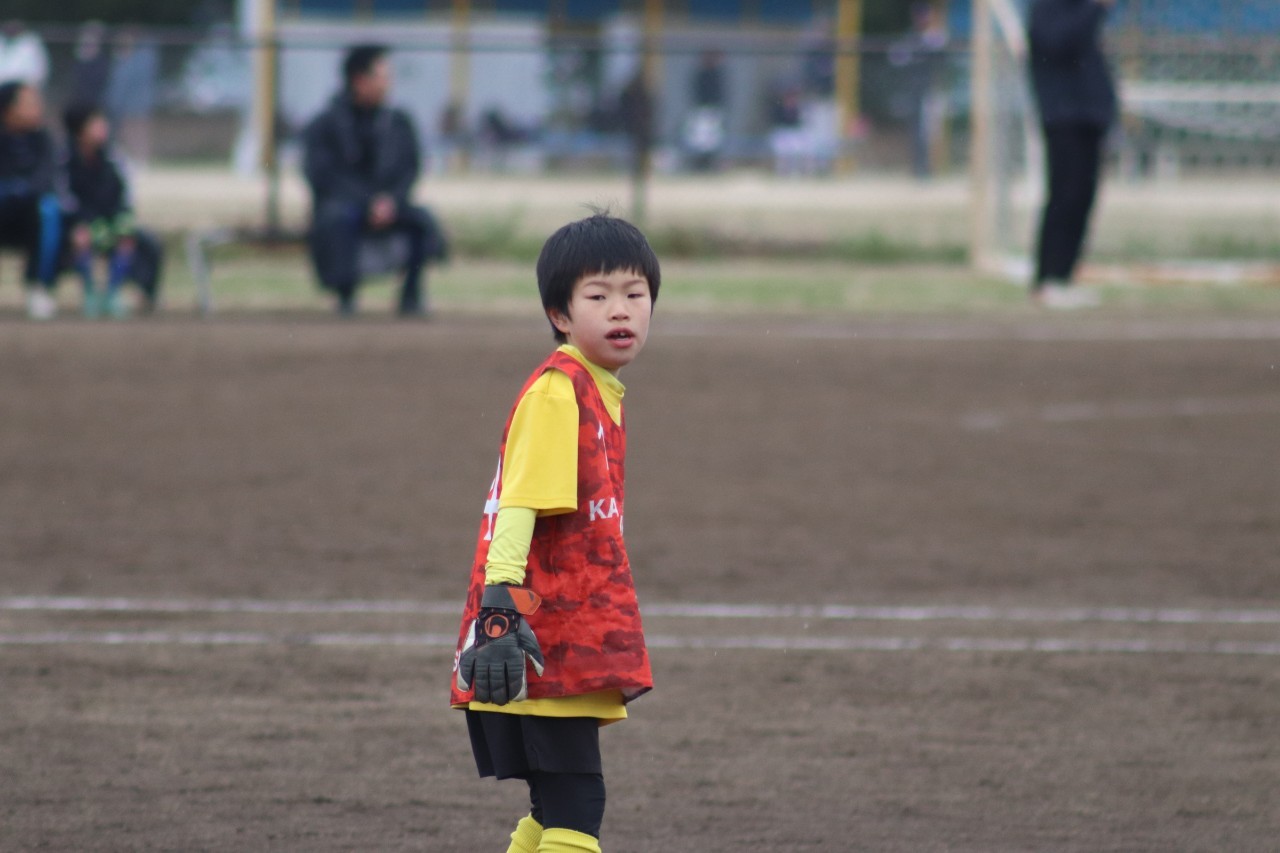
(885, 123)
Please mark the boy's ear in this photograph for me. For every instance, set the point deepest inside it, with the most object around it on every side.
(559, 319)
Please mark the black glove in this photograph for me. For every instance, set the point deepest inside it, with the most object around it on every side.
(494, 655)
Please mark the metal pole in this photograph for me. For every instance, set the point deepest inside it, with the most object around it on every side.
(651, 71)
(460, 65)
(653, 23)
(940, 150)
(268, 72)
(980, 224)
(848, 71)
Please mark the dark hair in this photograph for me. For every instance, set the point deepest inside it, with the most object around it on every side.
(360, 59)
(598, 244)
(8, 94)
(76, 116)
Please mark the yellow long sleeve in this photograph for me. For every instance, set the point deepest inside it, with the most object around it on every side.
(509, 549)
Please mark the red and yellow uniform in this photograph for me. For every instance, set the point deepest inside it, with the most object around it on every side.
(561, 468)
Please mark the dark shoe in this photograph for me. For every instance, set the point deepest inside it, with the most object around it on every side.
(413, 311)
(413, 298)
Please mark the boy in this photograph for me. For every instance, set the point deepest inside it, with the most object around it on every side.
(30, 210)
(551, 584)
(104, 223)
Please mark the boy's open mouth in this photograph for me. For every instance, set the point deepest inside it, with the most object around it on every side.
(620, 335)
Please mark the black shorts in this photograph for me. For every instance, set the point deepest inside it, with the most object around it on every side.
(512, 746)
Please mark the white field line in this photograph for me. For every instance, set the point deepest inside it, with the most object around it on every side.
(943, 331)
(79, 604)
(959, 613)
(975, 613)
(749, 643)
(1187, 407)
(221, 638)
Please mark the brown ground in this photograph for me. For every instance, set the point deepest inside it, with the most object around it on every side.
(868, 463)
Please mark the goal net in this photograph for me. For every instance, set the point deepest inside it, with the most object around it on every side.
(1188, 191)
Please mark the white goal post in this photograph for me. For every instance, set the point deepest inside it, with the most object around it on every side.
(1005, 154)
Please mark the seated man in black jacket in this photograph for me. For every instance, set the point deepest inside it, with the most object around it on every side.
(31, 216)
(362, 159)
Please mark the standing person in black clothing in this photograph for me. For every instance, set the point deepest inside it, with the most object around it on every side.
(92, 67)
(103, 220)
(920, 60)
(636, 114)
(704, 130)
(1077, 103)
(362, 160)
(30, 208)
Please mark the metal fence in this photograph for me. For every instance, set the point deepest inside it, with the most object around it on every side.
(534, 100)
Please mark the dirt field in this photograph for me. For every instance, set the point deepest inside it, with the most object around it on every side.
(233, 552)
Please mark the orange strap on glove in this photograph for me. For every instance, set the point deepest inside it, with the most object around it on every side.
(499, 646)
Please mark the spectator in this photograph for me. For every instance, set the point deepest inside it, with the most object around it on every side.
(497, 129)
(30, 210)
(499, 135)
(454, 138)
(131, 94)
(819, 66)
(635, 113)
(919, 59)
(362, 160)
(1077, 103)
(23, 57)
(92, 66)
(704, 130)
(103, 218)
(791, 146)
(819, 132)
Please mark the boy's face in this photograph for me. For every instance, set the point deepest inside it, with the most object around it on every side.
(608, 317)
(26, 112)
(96, 132)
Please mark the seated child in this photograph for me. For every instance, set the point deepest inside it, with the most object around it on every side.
(103, 218)
(551, 584)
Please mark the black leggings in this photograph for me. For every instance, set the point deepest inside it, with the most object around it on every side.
(1074, 161)
(568, 801)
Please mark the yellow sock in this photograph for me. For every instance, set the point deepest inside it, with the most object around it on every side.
(527, 837)
(567, 841)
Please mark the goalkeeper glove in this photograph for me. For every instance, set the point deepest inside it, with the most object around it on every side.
(494, 656)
